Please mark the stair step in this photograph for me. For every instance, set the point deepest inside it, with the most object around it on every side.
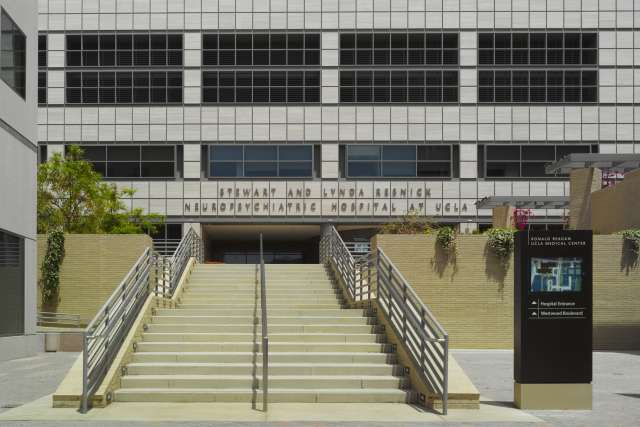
(190, 346)
(273, 320)
(275, 381)
(273, 338)
(346, 358)
(273, 329)
(332, 312)
(330, 395)
(164, 368)
(335, 305)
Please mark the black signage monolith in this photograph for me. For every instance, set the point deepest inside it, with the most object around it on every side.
(553, 307)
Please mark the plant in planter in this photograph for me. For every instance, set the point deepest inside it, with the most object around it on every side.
(501, 242)
(446, 238)
(632, 239)
(411, 223)
(50, 281)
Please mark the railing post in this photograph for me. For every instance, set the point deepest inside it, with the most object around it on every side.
(404, 310)
(84, 404)
(445, 385)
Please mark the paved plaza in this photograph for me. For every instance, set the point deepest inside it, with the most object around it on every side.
(616, 400)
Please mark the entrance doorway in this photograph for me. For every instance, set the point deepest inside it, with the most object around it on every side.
(283, 244)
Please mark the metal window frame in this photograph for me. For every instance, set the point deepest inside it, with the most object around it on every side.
(244, 161)
(381, 162)
(140, 162)
(21, 92)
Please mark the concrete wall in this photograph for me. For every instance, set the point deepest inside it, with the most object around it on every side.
(617, 208)
(473, 297)
(92, 268)
(583, 182)
(18, 136)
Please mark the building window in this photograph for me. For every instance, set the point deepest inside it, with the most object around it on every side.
(384, 86)
(124, 50)
(538, 86)
(124, 87)
(261, 161)
(398, 48)
(399, 161)
(524, 161)
(13, 56)
(261, 49)
(132, 161)
(569, 48)
(42, 87)
(12, 284)
(42, 50)
(260, 86)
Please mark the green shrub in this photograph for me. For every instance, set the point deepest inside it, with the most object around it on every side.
(501, 241)
(408, 224)
(446, 238)
(632, 238)
(50, 268)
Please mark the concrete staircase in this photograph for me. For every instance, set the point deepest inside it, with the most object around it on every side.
(208, 348)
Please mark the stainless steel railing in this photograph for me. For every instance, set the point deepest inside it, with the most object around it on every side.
(265, 331)
(62, 319)
(170, 268)
(166, 247)
(105, 334)
(334, 250)
(375, 277)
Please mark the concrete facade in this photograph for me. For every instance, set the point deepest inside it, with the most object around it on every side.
(18, 147)
(611, 124)
(93, 266)
(473, 282)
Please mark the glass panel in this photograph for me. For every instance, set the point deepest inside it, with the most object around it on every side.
(12, 55)
(434, 169)
(503, 152)
(503, 169)
(295, 169)
(261, 153)
(399, 152)
(226, 169)
(265, 169)
(158, 169)
(299, 152)
(396, 169)
(364, 152)
(157, 153)
(226, 152)
(442, 152)
(123, 153)
(363, 169)
(12, 284)
(538, 152)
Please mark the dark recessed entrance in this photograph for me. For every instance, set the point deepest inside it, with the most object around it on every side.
(283, 244)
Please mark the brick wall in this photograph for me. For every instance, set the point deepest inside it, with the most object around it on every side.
(473, 297)
(93, 266)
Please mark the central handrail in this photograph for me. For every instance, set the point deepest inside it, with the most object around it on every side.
(374, 277)
(265, 333)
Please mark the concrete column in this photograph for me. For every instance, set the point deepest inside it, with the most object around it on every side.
(502, 217)
(582, 183)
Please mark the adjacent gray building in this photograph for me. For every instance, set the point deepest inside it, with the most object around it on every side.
(295, 113)
(18, 160)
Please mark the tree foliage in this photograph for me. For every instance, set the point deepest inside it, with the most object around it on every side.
(50, 268)
(73, 198)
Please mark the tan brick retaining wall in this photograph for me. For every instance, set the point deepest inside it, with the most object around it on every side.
(473, 297)
(93, 266)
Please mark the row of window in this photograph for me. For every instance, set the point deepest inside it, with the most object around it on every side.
(42, 51)
(399, 48)
(356, 161)
(124, 87)
(261, 49)
(124, 50)
(260, 161)
(532, 86)
(418, 86)
(132, 161)
(13, 57)
(537, 48)
(260, 86)
(523, 161)
(400, 161)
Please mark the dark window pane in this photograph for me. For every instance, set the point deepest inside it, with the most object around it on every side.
(107, 42)
(260, 169)
(124, 95)
(231, 169)
(295, 169)
(74, 79)
(158, 170)
(347, 41)
(90, 42)
(503, 152)
(158, 153)
(123, 79)
(226, 152)
(124, 58)
(312, 41)
(158, 57)
(141, 42)
(117, 153)
(107, 59)
(434, 169)
(90, 59)
(210, 57)
(538, 152)
(295, 152)
(363, 169)
(434, 152)
(124, 41)
(261, 152)
(398, 169)
(158, 94)
(503, 169)
(278, 41)
(174, 41)
(141, 58)
(123, 170)
(74, 42)
(74, 59)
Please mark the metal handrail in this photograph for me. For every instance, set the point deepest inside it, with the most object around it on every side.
(104, 335)
(58, 318)
(375, 277)
(265, 331)
(171, 267)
